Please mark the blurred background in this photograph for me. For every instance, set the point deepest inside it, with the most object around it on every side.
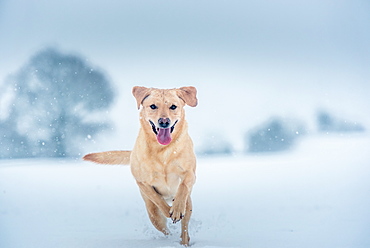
(268, 73)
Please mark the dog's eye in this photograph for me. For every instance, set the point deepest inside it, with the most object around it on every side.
(153, 106)
(173, 107)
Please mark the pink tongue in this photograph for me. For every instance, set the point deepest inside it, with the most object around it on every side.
(164, 136)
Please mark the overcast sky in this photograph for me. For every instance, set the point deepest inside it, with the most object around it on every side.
(249, 59)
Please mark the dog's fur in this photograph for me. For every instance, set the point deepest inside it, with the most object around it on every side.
(165, 173)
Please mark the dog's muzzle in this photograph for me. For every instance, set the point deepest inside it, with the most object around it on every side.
(164, 131)
(162, 125)
(164, 122)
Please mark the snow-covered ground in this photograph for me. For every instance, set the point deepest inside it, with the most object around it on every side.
(315, 196)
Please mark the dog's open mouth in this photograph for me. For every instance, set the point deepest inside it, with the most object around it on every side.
(163, 134)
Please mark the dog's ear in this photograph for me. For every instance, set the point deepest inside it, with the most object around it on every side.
(189, 95)
(140, 93)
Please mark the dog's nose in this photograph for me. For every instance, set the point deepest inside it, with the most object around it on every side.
(164, 122)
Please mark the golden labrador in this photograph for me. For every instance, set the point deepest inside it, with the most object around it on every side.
(162, 161)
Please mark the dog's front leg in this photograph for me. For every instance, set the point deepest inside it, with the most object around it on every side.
(157, 199)
(178, 209)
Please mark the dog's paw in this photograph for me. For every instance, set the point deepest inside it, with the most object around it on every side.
(177, 211)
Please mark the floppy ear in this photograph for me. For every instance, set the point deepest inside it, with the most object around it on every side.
(189, 95)
(140, 93)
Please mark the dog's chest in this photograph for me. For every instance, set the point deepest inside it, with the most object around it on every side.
(163, 170)
(166, 179)
(166, 184)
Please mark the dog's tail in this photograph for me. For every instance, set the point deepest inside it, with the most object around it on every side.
(111, 157)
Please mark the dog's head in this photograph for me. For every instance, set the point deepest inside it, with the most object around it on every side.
(163, 109)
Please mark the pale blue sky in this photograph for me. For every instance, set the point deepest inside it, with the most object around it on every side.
(303, 32)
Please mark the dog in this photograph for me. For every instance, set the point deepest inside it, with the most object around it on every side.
(162, 161)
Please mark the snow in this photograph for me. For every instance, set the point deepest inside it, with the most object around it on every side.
(314, 196)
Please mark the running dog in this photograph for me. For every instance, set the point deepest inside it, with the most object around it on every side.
(162, 161)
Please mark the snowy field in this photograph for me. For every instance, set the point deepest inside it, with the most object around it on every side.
(317, 195)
